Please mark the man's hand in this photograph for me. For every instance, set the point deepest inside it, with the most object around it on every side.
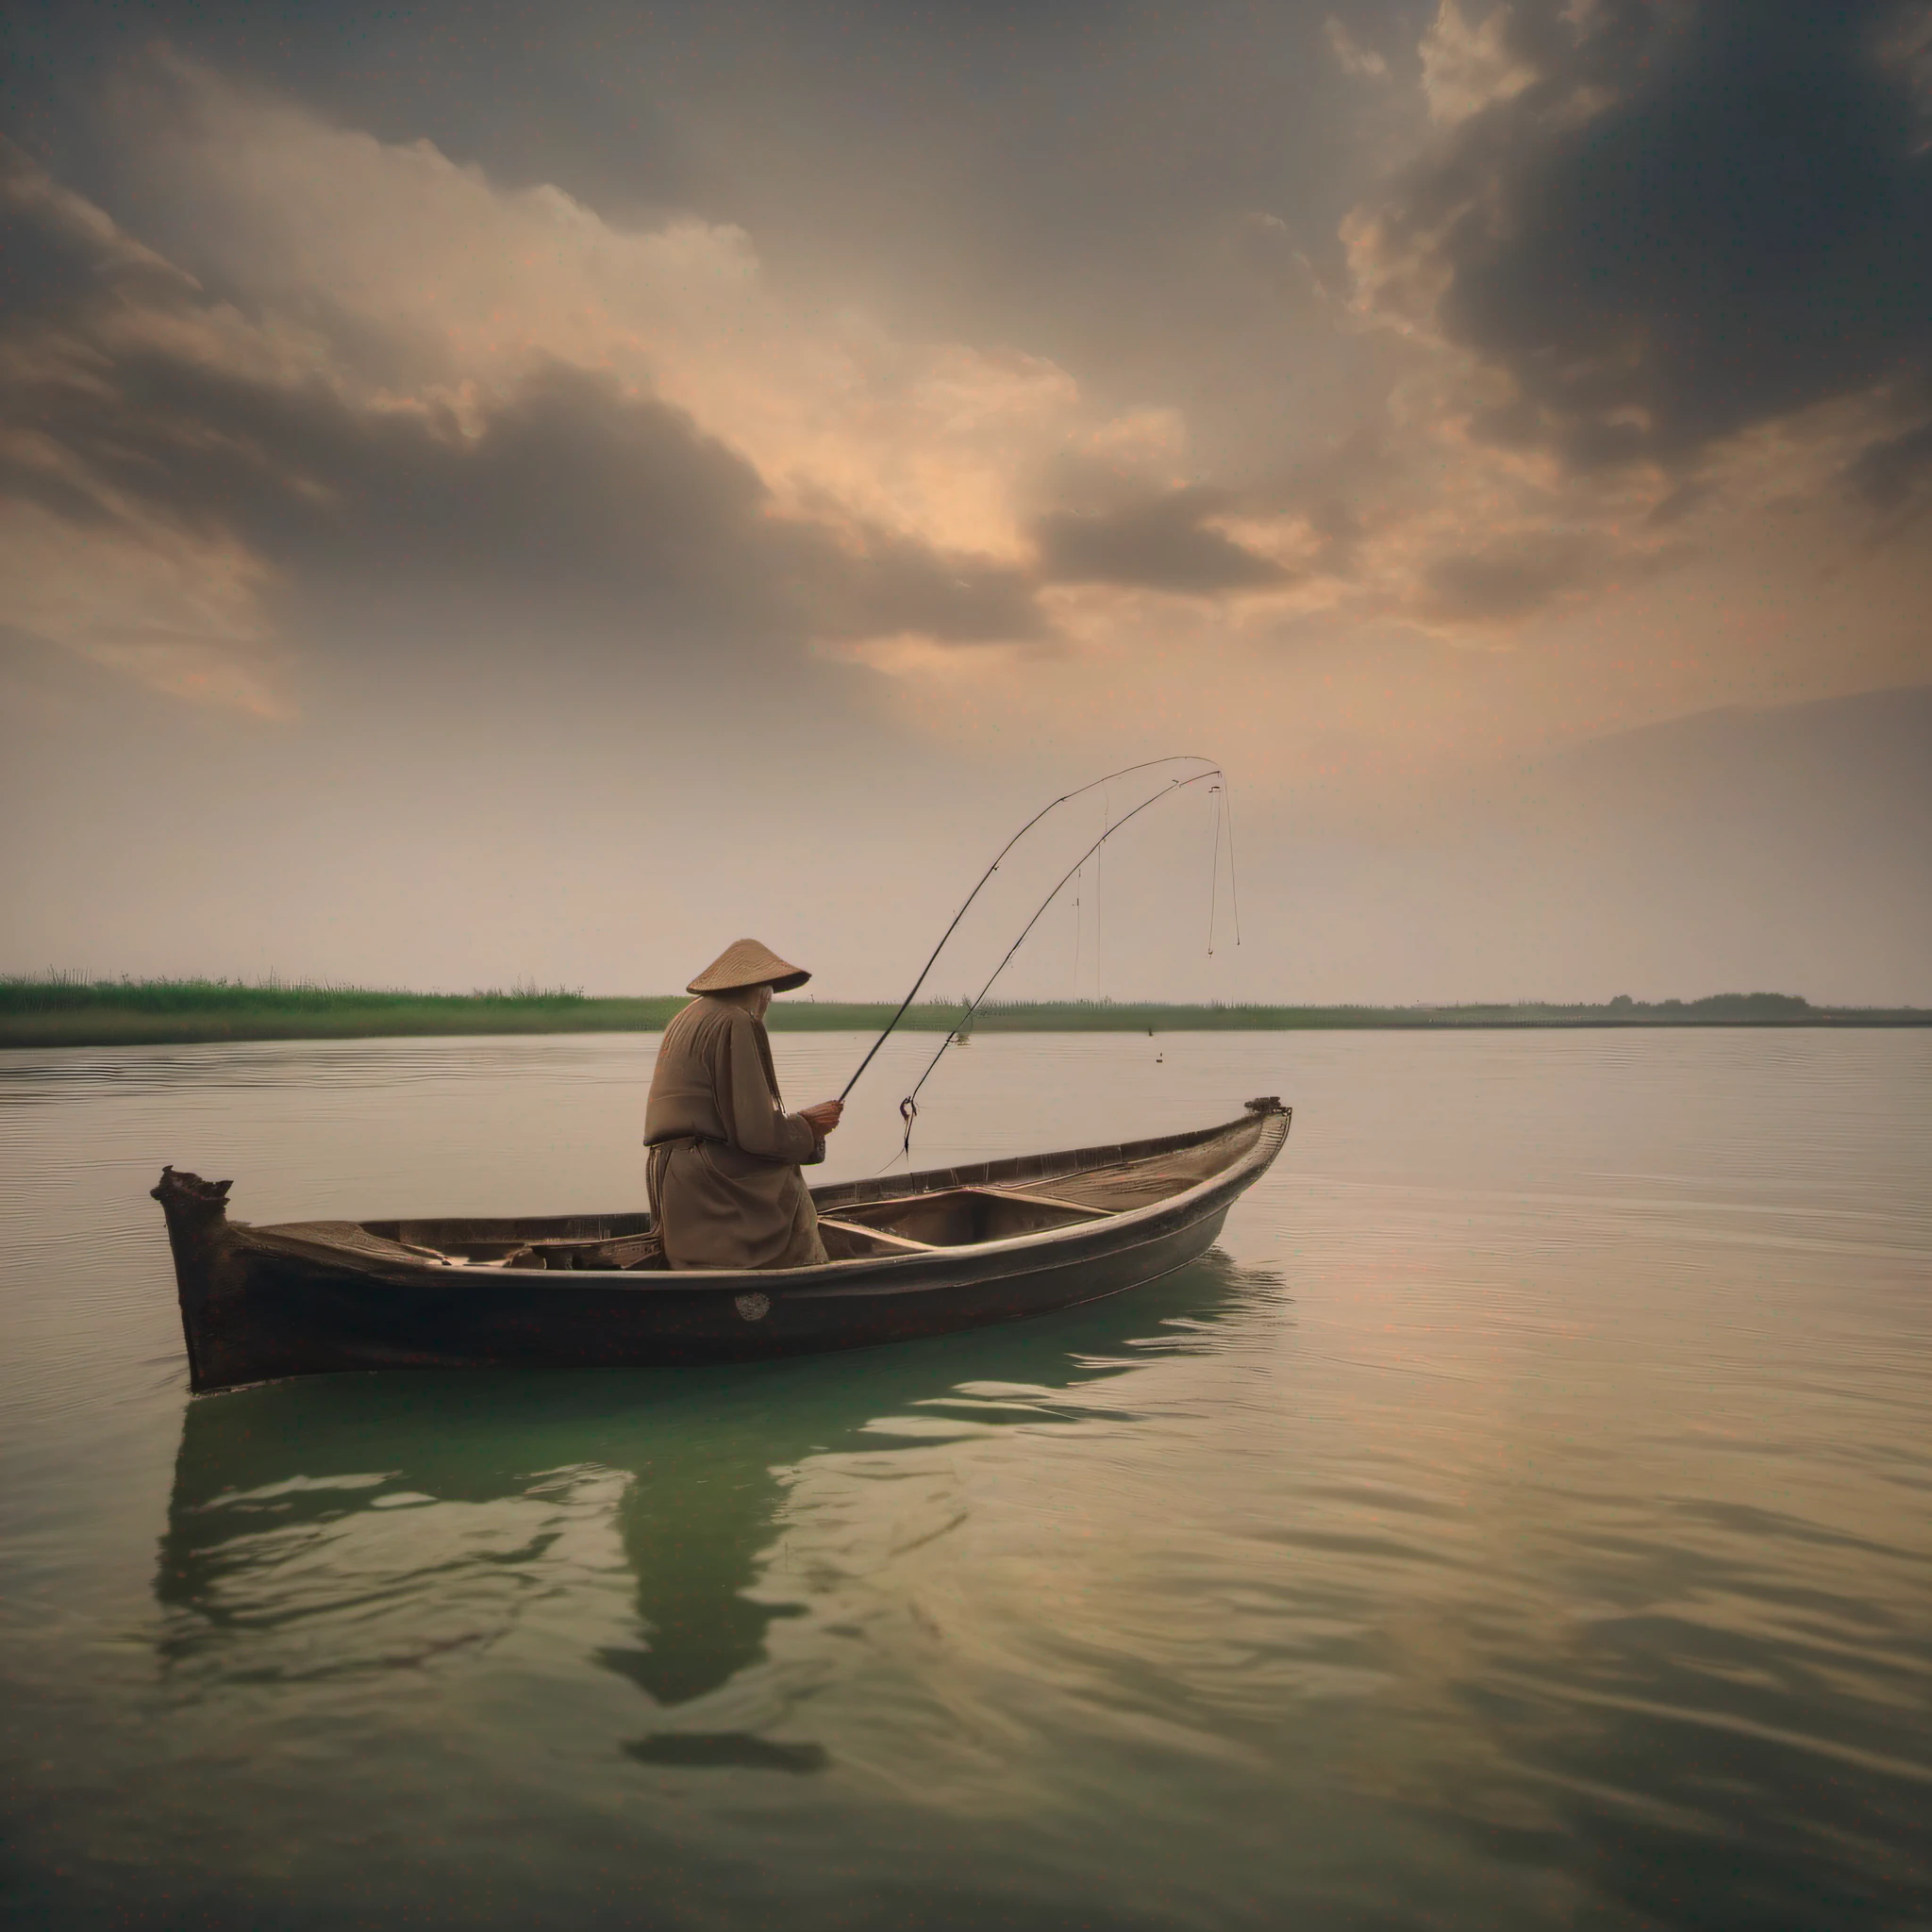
(824, 1117)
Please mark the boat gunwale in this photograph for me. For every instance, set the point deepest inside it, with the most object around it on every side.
(825, 1279)
(1078, 1159)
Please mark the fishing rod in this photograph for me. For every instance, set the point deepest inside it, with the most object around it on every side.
(1125, 770)
(908, 1108)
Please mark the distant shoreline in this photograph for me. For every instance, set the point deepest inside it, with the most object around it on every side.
(66, 1012)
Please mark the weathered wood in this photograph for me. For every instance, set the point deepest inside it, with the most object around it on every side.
(874, 1241)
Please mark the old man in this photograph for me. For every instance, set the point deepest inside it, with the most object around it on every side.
(725, 1155)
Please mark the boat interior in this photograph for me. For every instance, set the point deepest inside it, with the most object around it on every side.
(910, 1214)
(954, 1218)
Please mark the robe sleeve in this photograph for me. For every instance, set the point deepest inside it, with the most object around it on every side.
(751, 1114)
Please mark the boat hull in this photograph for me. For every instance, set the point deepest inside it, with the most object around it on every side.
(256, 1309)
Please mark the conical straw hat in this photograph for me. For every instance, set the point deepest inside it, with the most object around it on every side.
(744, 962)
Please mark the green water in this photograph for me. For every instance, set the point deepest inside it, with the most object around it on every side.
(1524, 1521)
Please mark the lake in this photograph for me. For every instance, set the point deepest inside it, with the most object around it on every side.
(1523, 1520)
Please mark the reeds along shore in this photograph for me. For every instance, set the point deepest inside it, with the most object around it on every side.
(67, 1010)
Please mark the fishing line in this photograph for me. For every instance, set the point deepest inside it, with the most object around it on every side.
(908, 1108)
(1145, 765)
(1224, 818)
(1214, 867)
(1234, 896)
(1099, 905)
(1079, 920)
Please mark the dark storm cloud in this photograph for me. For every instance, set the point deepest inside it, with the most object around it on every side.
(1894, 476)
(56, 254)
(1062, 176)
(571, 494)
(132, 398)
(1504, 583)
(1688, 220)
(1156, 542)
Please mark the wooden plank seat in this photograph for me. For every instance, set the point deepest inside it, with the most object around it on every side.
(846, 1241)
(962, 1217)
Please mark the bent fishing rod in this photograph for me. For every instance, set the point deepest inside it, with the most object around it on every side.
(908, 1108)
(1125, 772)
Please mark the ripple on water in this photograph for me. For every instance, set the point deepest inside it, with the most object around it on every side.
(1522, 1522)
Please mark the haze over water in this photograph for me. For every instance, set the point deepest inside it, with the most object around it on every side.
(1521, 1520)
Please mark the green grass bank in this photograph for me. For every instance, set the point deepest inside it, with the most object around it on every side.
(61, 1010)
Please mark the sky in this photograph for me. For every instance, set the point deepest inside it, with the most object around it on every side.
(495, 494)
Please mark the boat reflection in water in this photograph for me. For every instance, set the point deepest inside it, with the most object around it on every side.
(366, 1523)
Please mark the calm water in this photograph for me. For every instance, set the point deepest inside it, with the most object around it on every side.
(1524, 1521)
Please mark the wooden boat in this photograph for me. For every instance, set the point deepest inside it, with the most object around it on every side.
(916, 1255)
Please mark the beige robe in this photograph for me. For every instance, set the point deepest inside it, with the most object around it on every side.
(724, 1155)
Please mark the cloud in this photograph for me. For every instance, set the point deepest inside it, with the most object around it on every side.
(1649, 277)
(1160, 542)
(57, 250)
(1894, 476)
(186, 487)
(181, 611)
(1659, 226)
(424, 275)
(1468, 66)
(1503, 583)
(1357, 61)
(340, 385)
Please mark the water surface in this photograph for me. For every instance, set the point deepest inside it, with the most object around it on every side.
(1523, 1520)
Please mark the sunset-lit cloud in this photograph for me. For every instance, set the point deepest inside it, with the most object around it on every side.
(1518, 463)
(391, 423)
